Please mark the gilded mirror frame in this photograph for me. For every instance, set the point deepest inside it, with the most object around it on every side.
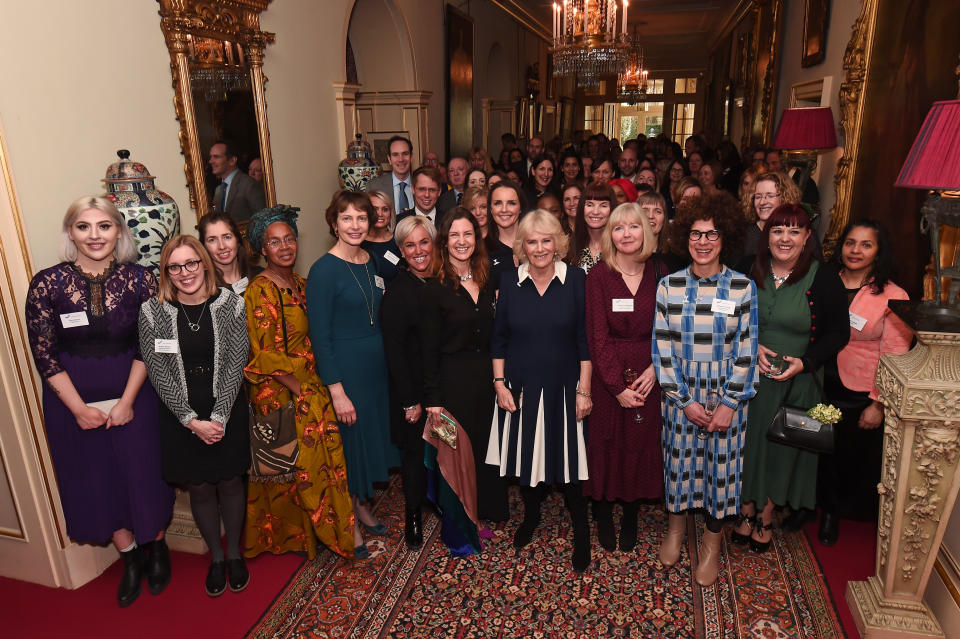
(230, 21)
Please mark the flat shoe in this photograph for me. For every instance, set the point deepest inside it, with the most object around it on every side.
(239, 576)
(216, 581)
(380, 529)
(361, 552)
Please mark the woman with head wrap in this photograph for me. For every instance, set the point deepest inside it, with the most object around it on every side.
(298, 484)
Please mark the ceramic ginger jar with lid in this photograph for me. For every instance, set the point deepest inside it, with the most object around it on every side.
(151, 214)
(359, 167)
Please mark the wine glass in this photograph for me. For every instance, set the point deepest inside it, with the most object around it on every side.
(630, 375)
(776, 365)
(710, 405)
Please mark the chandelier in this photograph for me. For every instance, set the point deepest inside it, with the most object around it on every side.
(632, 82)
(586, 42)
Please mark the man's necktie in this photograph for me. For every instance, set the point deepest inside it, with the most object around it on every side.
(459, 196)
(402, 202)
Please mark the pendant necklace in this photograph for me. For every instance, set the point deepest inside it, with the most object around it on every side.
(780, 279)
(368, 303)
(464, 278)
(194, 326)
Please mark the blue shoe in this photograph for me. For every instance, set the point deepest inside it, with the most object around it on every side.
(361, 552)
(380, 529)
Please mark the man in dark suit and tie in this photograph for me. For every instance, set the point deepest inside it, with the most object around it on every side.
(456, 176)
(397, 182)
(237, 194)
(426, 191)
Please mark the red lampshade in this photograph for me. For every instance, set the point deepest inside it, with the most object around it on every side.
(806, 129)
(934, 160)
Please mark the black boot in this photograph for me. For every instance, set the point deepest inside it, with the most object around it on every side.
(129, 589)
(829, 528)
(531, 516)
(413, 531)
(158, 567)
(628, 526)
(577, 505)
(603, 515)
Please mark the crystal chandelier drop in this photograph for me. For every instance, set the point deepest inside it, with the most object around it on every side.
(632, 83)
(586, 41)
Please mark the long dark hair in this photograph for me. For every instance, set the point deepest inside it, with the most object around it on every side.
(581, 234)
(243, 261)
(783, 215)
(884, 269)
(569, 153)
(493, 231)
(479, 262)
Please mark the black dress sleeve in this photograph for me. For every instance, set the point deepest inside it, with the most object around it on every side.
(431, 322)
(399, 312)
(829, 318)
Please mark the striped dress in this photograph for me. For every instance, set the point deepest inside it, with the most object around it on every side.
(700, 347)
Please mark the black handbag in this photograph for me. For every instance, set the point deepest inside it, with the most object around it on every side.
(792, 426)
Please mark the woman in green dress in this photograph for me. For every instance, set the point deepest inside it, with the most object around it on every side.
(803, 324)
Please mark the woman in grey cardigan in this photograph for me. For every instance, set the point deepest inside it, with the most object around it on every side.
(193, 337)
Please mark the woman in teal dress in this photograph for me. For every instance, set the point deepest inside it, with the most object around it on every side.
(343, 307)
(803, 319)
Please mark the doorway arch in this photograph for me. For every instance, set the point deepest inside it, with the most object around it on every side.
(381, 46)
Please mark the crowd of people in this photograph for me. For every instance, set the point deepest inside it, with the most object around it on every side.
(617, 324)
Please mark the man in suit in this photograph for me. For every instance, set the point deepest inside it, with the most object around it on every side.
(456, 177)
(396, 183)
(534, 151)
(237, 194)
(426, 191)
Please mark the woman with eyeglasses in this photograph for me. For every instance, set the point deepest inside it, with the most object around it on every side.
(100, 413)
(344, 294)
(770, 190)
(193, 336)
(677, 171)
(705, 355)
(298, 481)
(221, 236)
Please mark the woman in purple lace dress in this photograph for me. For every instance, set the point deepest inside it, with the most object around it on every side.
(100, 412)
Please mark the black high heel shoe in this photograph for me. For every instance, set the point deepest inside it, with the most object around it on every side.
(739, 538)
(759, 527)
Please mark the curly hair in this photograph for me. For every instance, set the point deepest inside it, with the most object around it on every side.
(884, 267)
(786, 187)
(746, 193)
(723, 209)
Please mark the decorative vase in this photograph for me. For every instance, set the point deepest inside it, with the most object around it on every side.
(359, 167)
(151, 214)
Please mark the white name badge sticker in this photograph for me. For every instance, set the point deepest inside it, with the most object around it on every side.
(240, 285)
(622, 305)
(379, 282)
(857, 322)
(393, 259)
(70, 320)
(166, 346)
(727, 307)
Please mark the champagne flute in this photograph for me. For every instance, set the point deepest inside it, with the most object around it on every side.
(630, 375)
(710, 406)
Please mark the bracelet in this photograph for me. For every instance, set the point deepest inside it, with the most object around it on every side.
(406, 408)
(499, 379)
(582, 394)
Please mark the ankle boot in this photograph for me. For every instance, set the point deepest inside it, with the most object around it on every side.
(158, 567)
(581, 546)
(603, 515)
(413, 530)
(531, 517)
(129, 589)
(628, 527)
(673, 539)
(709, 565)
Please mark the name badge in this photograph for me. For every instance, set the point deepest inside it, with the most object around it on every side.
(166, 346)
(857, 322)
(393, 259)
(727, 307)
(70, 320)
(379, 282)
(623, 305)
(240, 285)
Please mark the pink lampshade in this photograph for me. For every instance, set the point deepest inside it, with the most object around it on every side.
(934, 160)
(806, 129)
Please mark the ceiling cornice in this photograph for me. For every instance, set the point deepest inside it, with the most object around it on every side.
(516, 11)
(737, 12)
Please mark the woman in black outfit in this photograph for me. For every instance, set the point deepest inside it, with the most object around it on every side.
(402, 345)
(457, 324)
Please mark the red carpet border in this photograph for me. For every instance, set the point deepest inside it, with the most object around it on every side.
(499, 593)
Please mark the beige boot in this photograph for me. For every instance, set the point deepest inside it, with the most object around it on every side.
(709, 565)
(673, 539)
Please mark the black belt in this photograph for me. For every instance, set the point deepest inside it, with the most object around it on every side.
(198, 370)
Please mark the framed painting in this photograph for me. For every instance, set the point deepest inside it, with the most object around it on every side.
(815, 18)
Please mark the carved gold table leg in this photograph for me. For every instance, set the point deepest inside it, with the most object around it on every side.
(918, 487)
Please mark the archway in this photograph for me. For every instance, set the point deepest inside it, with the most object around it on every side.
(381, 46)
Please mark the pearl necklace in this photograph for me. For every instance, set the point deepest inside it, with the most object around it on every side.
(780, 279)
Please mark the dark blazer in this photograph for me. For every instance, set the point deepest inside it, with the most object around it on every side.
(447, 201)
(384, 183)
(244, 198)
(438, 217)
(400, 323)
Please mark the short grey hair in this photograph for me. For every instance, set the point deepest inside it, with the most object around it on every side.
(126, 249)
(407, 225)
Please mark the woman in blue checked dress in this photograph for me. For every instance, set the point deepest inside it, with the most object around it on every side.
(705, 355)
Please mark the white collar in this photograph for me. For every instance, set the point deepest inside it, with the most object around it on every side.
(559, 272)
(229, 179)
(397, 180)
(429, 213)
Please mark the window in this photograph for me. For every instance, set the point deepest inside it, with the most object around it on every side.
(682, 122)
(628, 127)
(593, 118)
(655, 86)
(685, 85)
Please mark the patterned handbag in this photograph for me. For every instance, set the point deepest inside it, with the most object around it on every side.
(274, 448)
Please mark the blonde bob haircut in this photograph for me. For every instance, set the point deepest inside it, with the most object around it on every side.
(540, 221)
(126, 249)
(628, 212)
(167, 292)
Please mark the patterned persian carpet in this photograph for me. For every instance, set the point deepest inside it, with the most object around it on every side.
(427, 593)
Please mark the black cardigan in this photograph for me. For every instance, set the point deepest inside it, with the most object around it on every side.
(829, 318)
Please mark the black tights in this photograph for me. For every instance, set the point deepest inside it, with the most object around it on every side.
(211, 501)
(572, 495)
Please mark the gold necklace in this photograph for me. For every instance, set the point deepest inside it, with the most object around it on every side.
(369, 304)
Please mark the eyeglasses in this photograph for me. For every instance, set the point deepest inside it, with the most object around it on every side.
(276, 243)
(759, 197)
(190, 267)
(713, 235)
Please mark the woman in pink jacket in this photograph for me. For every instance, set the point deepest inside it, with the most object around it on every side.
(847, 480)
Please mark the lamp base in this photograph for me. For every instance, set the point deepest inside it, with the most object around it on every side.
(877, 618)
(928, 316)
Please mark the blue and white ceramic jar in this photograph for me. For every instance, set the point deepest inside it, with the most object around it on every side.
(359, 167)
(151, 214)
